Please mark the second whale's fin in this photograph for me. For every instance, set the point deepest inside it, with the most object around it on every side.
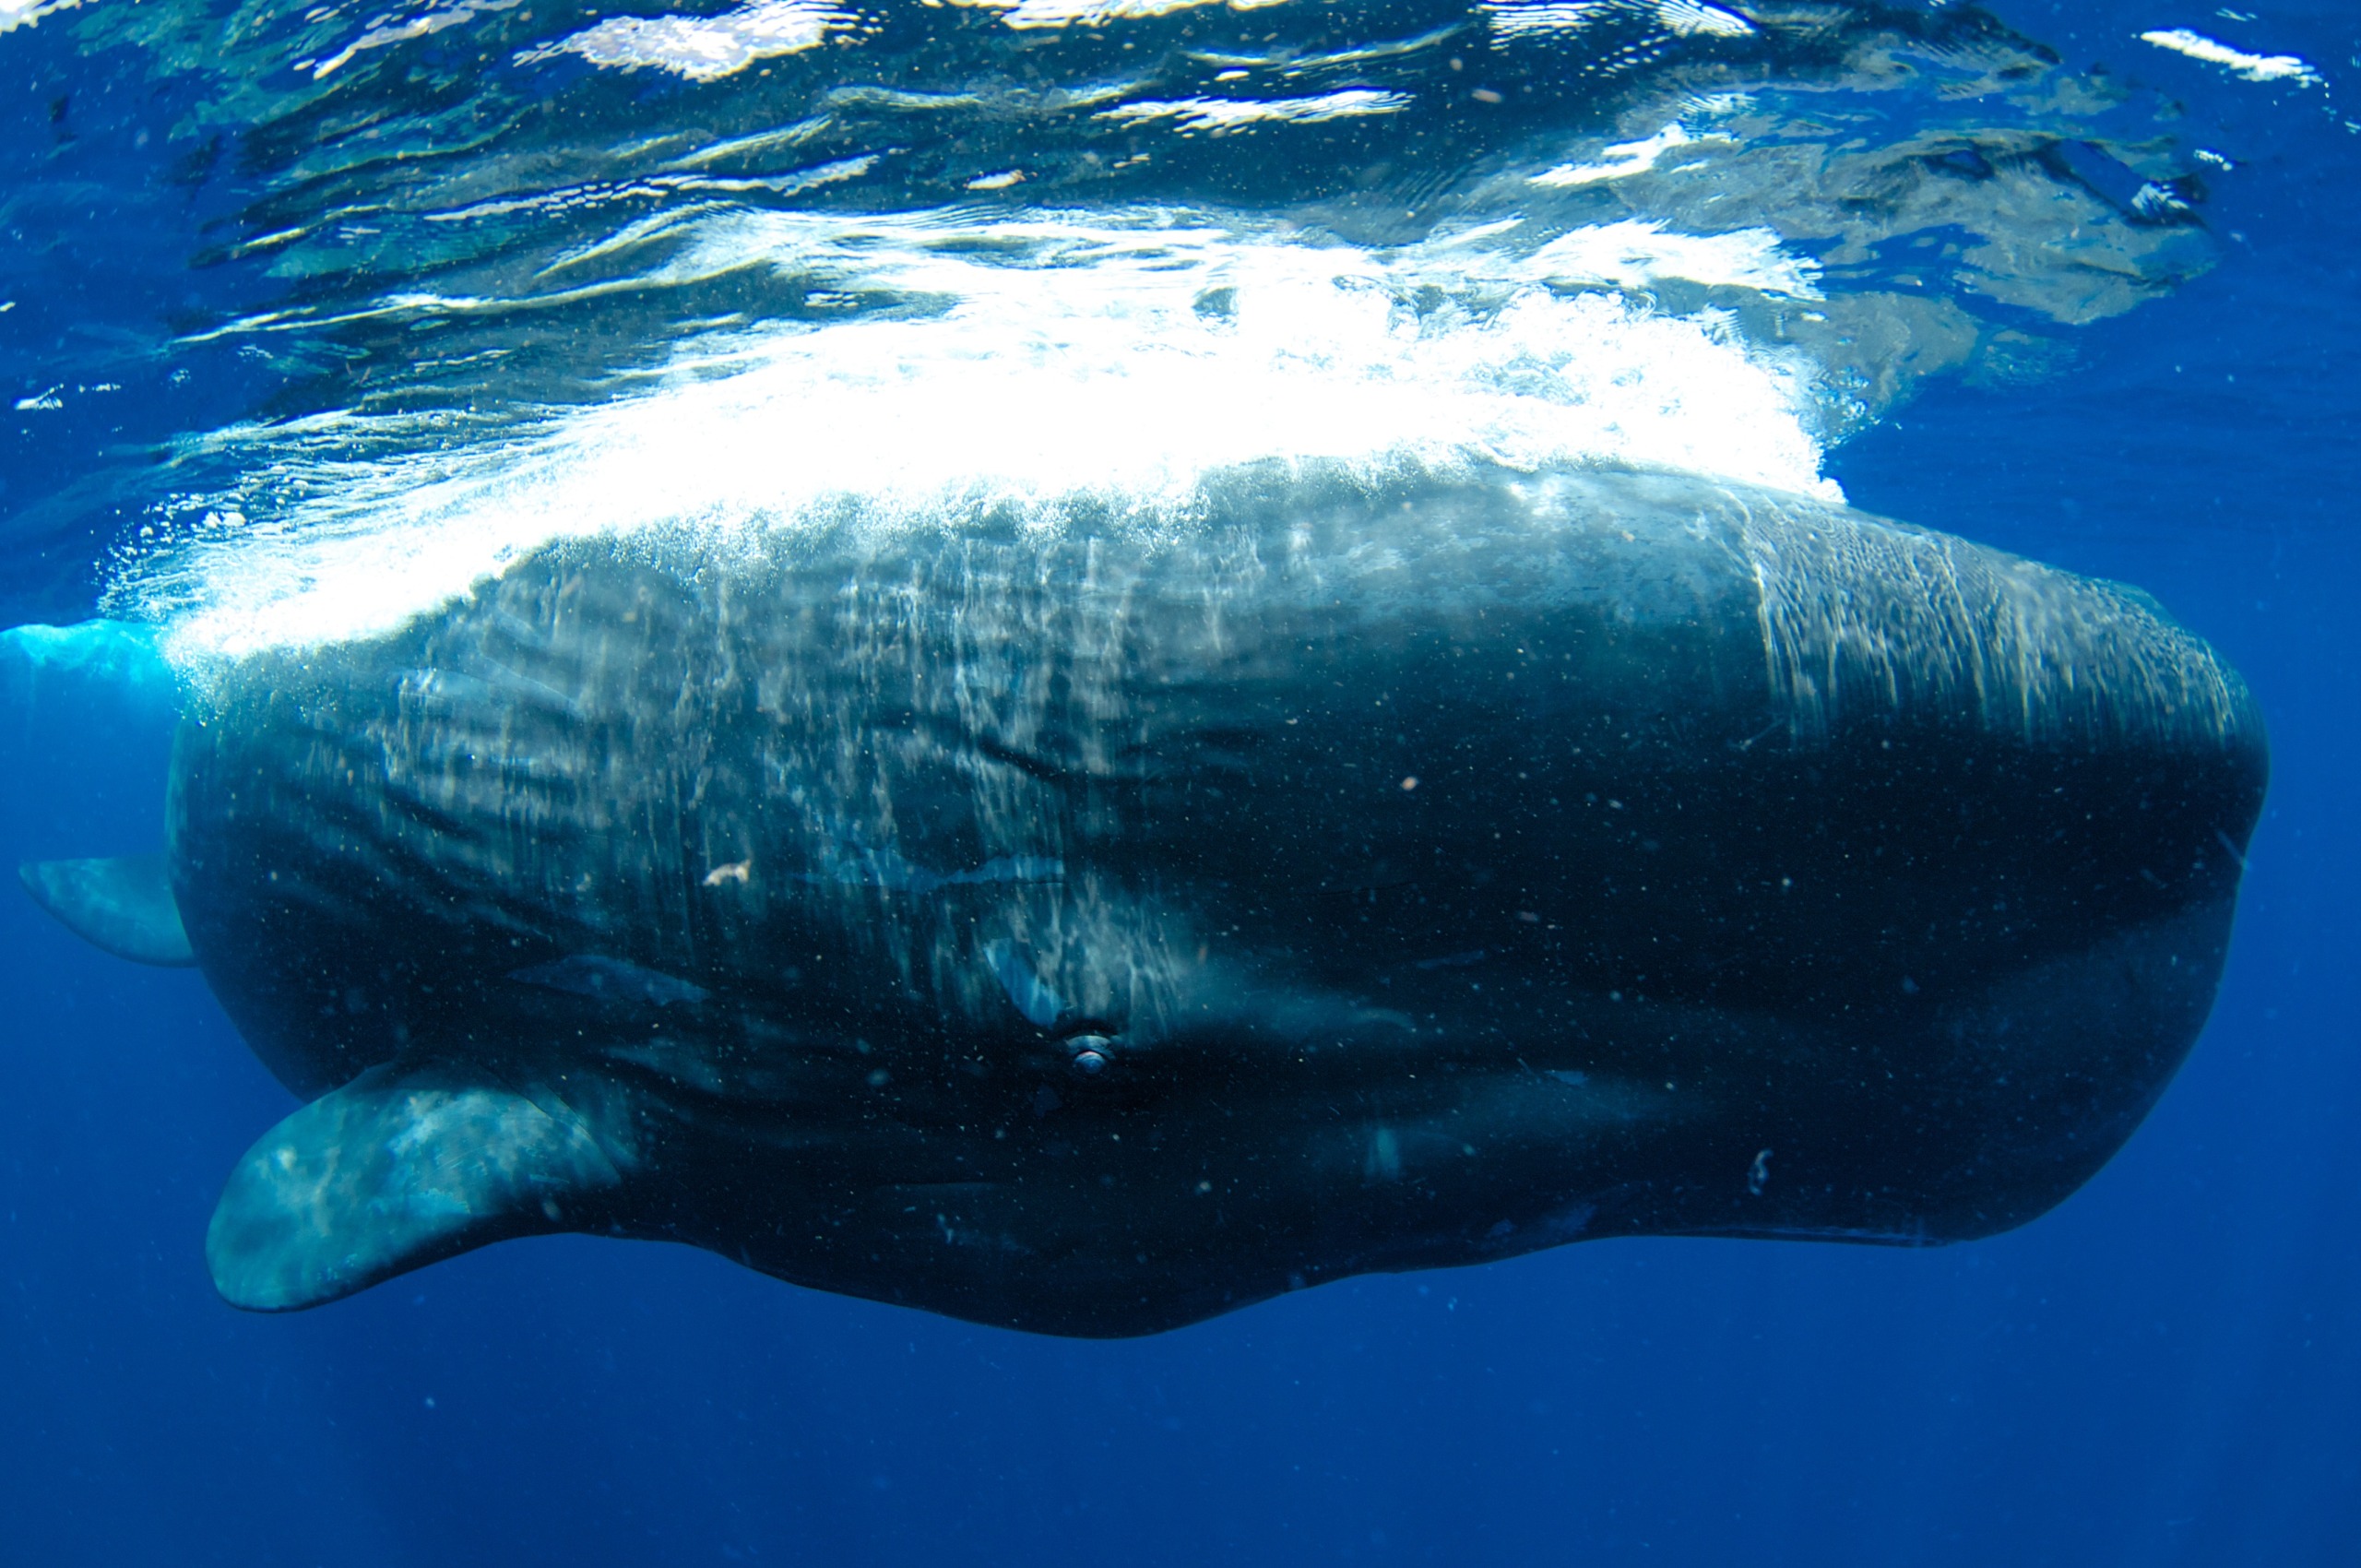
(402, 1166)
(124, 906)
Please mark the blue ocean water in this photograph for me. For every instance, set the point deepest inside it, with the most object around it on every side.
(216, 344)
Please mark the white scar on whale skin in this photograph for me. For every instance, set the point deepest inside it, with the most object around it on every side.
(1105, 366)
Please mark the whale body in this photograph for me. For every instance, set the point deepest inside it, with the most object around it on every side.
(1091, 930)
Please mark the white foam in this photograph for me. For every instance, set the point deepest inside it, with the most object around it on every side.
(2238, 62)
(1102, 366)
(1223, 115)
(1638, 253)
(1695, 18)
(1620, 160)
(1098, 13)
(102, 652)
(14, 14)
(1541, 18)
(705, 49)
(1532, 19)
(392, 30)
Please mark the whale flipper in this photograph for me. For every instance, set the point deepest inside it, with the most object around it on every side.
(403, 1166)
(124, 906)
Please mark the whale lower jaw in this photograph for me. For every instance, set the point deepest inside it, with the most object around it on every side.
(1146, 1201)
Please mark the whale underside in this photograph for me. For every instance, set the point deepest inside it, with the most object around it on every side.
(1092, 930)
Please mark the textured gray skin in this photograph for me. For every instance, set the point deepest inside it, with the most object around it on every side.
(1768, 871)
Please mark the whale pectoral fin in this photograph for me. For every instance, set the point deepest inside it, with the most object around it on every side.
(124, 906)
(402, 1168)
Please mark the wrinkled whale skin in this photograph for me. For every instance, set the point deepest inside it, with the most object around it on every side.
(1430, 873)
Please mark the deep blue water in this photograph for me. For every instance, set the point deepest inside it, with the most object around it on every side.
(2164, 1369)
